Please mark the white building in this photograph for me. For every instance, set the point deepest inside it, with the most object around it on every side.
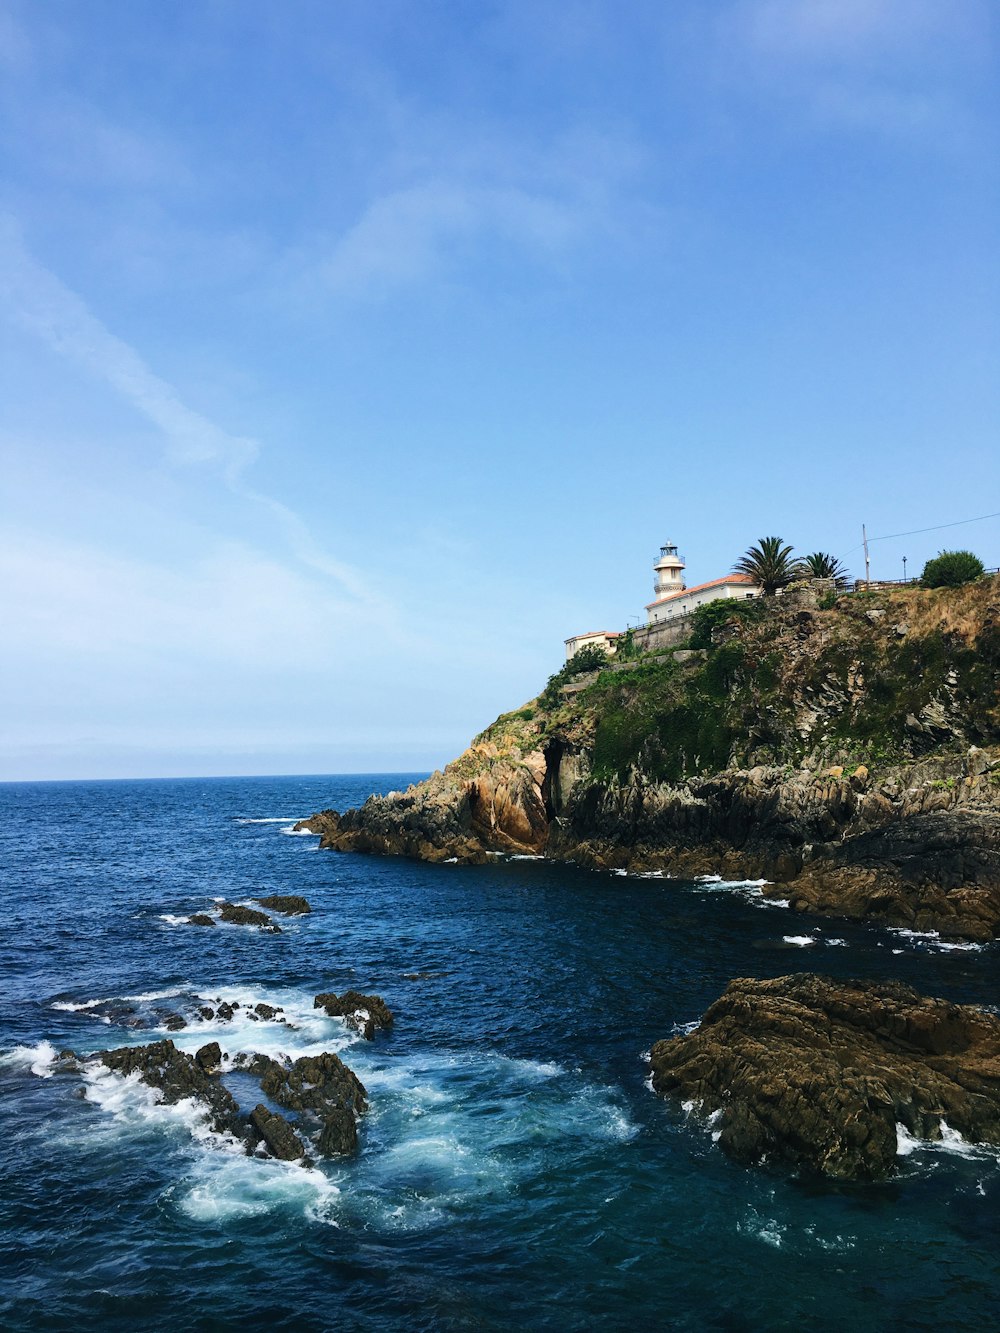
(601, 638)
(675, 598)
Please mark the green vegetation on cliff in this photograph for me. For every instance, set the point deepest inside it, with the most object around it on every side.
(880, 676)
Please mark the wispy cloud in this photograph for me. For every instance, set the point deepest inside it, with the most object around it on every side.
(409, 234)
(42, 303)
(888, 66)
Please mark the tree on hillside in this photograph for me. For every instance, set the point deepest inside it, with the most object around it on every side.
(769, 563)
(821, 565)
(950, 569)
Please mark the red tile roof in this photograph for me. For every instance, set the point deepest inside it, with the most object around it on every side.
(592, 633)
(700, 587)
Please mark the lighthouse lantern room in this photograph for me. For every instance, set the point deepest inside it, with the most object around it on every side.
(669, 572)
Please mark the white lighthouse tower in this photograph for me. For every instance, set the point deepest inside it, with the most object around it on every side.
(669, 572)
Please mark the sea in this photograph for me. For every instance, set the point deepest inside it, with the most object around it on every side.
(515, 1170)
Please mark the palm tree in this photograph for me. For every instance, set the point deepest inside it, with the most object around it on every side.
(769, 563)
(820, 565)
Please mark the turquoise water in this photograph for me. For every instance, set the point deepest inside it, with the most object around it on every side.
(514, 1170)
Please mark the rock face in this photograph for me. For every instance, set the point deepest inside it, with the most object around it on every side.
(851, 758)
(818, 1073)
(364, 1013)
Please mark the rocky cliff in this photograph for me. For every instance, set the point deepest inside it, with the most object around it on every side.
(849, 754)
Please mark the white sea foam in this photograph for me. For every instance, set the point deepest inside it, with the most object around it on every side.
(72, 1007)
(224, 1189)
(931, 939)
(278, 819)
(305, 1031)
(800, 941)
(172, 919)
(147, 997)
(299, 833)
(445, 1129)
(951, 1141)
(39, 1058)
(767, 1229)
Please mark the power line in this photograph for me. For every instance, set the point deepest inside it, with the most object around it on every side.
(939, 527)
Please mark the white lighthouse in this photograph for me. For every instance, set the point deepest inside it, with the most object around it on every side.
(669, 572)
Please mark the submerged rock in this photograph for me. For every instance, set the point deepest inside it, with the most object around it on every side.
(289, 904)
(818, 1073)
(364, 1013)
(236, 915)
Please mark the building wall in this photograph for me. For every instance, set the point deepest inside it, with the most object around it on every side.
(574, 645)
(680, 606)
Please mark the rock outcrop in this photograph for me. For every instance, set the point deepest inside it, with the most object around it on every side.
(288, 904)
(323, 1094)
(176, 1076)
(850, 757)
(326, 1096)
(818, 1073)
(363, 1013)
(235, 914)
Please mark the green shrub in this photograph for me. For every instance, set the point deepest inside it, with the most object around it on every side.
(950, 569)
(591, 658)
(713, 615)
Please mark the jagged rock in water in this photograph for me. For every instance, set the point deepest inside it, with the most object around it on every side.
(236, 915)
(209, 1056)
(289, 904)
(364, 1013)
(817, 1073)
(321, 1090)
(277, 1134)
(268, 1011)
(177, 1075)
(201, 919)
(171, 1021)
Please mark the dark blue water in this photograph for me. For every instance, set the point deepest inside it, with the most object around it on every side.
(514, 1168)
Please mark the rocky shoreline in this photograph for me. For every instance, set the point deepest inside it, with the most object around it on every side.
(901, 826)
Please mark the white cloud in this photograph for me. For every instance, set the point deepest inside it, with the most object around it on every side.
(39, 301)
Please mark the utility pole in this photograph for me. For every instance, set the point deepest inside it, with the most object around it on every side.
(904, 568)
(868, 572)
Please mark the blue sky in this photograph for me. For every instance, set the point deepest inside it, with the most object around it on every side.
(355, 355)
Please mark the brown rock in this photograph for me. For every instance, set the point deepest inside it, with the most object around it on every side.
(818, 1073)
